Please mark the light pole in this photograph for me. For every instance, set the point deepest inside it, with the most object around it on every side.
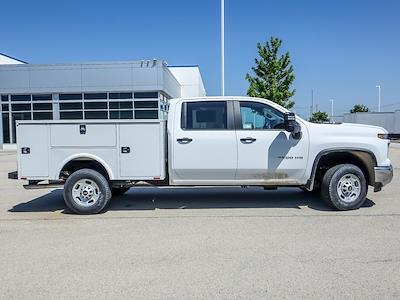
(379, 97)
(222, 47)
(331, 107)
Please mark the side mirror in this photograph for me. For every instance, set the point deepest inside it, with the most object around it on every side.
(289, 121)
(291, 125)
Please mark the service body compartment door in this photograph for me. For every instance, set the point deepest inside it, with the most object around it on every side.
(33, 150)
(83, 135)
(142, 150)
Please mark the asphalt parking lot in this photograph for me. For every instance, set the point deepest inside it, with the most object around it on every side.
(206, 243)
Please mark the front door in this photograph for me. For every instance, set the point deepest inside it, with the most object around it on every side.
(267, 154)
(204, 144)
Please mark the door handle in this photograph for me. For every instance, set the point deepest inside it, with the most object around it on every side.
(184, 140)
(248, 140)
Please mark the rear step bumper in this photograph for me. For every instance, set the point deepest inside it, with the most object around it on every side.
(34, 184)
(47, 184)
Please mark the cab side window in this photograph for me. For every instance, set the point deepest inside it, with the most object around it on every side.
(204, 115)
(257, 115)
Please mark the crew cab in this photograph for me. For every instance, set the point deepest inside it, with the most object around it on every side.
(209, 141)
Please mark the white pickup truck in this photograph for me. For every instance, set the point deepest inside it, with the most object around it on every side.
(210, 141)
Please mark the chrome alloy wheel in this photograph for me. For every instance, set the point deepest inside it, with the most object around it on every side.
(85, 192)
(349, 188)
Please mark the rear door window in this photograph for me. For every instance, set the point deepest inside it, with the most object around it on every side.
(204, 115)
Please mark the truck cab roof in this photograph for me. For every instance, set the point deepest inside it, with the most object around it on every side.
(230, 98)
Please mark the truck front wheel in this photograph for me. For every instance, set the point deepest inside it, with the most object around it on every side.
(86, 192)
(344, 187)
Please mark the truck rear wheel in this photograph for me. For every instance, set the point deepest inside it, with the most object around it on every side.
(344, 187)
(86, 192)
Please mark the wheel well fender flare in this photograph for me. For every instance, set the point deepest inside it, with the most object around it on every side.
(89, 157)
(355, 152)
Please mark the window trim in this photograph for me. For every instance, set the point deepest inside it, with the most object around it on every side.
(230, 119)
(238, 117)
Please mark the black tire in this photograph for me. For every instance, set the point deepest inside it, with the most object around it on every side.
(103, 192)
(119, 191)
(330, 184)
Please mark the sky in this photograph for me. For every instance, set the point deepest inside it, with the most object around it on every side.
(339, 49)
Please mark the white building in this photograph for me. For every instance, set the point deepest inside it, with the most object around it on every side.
(8, 60)
(94, 90)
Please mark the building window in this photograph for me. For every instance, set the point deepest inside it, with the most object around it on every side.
(96, 115)
(121, 114)
(95, 96)
(71, 115)
(72, 105)
(70, 97)
(146, 114)
(146, 104)
(20, 97)
(43, 115)
(20, 107)
(121, 104)
(6, 128)
(146, 95)
(120, 96)
(95, 105)
(42, 106)
(42, 97)
(78, 106)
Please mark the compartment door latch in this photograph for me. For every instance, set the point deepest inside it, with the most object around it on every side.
(125, 149)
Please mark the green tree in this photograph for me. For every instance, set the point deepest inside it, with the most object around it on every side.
(359, 108)
(319, 117)
(273, 74)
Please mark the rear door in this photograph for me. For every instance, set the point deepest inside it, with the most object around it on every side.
(204, 143)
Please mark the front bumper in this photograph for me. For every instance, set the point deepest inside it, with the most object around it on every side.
(383, 176)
